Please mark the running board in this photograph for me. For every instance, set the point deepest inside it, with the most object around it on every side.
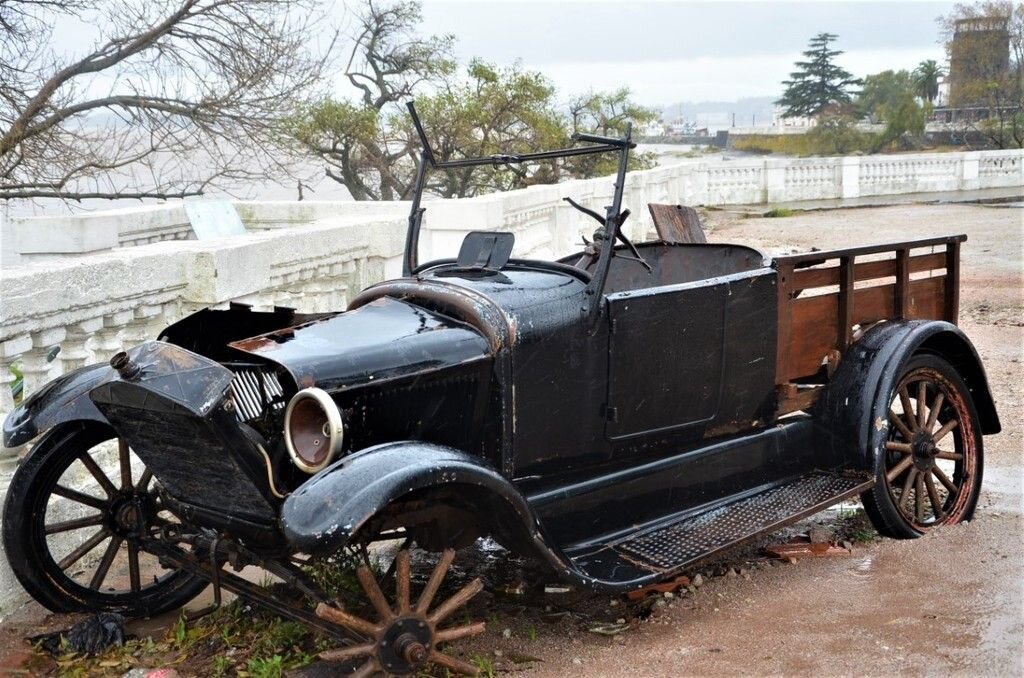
(663, 550)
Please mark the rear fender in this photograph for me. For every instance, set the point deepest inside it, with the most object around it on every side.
(851, 420)
(66, 398)
(325, 513)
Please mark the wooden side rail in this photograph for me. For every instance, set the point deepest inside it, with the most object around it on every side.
(817, 325)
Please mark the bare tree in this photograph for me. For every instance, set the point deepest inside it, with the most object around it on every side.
(173, 97)
(366, 144)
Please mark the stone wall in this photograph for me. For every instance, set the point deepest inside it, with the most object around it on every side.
(93, 284)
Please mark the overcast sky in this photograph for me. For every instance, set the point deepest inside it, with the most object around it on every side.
(685, 51)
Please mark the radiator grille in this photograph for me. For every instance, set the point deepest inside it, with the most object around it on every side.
(255, 390)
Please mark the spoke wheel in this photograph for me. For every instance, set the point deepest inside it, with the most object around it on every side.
(72, 521)
(930, 468)
(406, 635)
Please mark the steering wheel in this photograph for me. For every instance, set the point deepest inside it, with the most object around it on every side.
(593, 249)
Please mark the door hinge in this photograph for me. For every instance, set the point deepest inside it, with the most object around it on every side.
(611, 414)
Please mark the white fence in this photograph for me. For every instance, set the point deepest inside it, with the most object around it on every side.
(93, 284)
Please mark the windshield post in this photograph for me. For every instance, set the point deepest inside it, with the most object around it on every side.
(612, 222)
(412, 237)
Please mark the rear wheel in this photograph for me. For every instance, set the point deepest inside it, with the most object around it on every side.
(929, 472)
(72, 517)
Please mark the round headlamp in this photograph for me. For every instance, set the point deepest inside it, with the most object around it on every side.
(312, 429)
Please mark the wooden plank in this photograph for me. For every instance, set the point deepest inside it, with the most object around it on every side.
(846, 302)
(677, 224)
(783, 349)
(952, 292)
(812, 258)
(810, 278)
(902, 283)
(813, 334)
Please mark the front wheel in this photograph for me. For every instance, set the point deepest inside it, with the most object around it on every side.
(929, 472)
(73, 511)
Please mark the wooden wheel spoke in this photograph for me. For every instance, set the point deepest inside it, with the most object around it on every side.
(907, 484)
(944, 479)
(908, 408)
(899, 468)
(80, 497)
(922, 403)
(143, 484)
(133, 567)
(347, 653)
(445, 609)
(933, 416)
(373, 592)
(86, 546)
(905, 448)
(104, 567)
(952, 456)
(919, 498)
(76, 524)
(436, 577)
(125, 459)
(453, 664)
(944, 431)
(933, 496)
(403, 578)
(460, 632)
(97, 473)
(900, 426)
(349, 621)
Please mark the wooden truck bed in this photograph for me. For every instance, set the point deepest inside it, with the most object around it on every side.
(826, 299)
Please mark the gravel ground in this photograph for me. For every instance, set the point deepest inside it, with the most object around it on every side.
(951, 603)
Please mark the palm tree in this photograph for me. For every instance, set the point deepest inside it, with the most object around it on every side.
(926, 79)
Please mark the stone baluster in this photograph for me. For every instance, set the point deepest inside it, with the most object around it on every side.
(74, 351)
(10, 350)
(36, 368)
(108, 337)
(147, 322)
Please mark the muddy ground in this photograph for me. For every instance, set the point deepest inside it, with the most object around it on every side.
(951, 603)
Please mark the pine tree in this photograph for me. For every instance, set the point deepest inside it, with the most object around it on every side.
(818, 82)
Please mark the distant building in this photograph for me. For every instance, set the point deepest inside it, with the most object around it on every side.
(780, 120)
(978, 53)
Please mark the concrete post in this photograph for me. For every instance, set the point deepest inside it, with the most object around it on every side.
(969, 179)
(775, 181)
(849, 177)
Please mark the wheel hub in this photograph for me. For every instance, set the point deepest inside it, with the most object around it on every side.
(129, 515)
(405, 645)
(924, 451)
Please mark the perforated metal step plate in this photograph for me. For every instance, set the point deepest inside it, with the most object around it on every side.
(655, 553)
(691, 538)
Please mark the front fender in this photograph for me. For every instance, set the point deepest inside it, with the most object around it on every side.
(66, 398)
(852, 417)
(325, 513)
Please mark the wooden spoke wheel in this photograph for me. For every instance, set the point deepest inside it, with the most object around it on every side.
(405, 636)
(73, 515)
(930, 468)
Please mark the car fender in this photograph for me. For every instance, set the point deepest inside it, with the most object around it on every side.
(851, 419)
(325, 513)
(66, 398)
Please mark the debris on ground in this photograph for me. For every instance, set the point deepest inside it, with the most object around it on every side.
(91, 636)
(670, 586)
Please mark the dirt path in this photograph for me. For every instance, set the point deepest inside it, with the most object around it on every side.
(951, 603)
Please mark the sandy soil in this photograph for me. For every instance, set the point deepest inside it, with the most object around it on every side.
(950, 603)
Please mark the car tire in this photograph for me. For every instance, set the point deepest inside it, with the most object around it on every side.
(929, 471)
(29, 552)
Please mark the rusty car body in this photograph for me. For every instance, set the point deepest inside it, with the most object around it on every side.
(619, 414)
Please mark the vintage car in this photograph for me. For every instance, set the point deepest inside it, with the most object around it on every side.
(620, 415)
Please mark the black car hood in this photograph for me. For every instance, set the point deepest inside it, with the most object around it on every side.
(383, 340)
